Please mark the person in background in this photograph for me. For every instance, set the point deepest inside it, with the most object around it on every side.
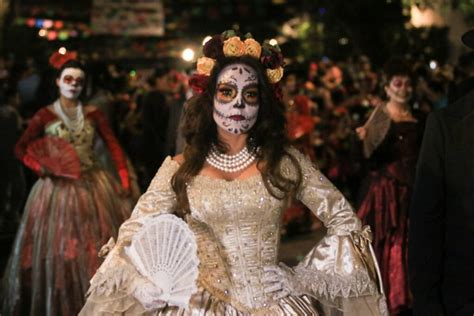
(465, 78)
(70, 212)
(441, 260)
(391, 140)
(155, 115)
(12, 181)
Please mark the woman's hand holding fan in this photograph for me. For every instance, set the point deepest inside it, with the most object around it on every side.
(361, 132)
(147, 293)
(56, 156)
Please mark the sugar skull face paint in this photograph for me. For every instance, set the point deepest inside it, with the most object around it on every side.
(236, 101)
(400, 89)
(71, 83)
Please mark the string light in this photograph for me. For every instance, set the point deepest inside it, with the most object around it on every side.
(52, 35)
(42, 33)
(63, 35)
(47, 24)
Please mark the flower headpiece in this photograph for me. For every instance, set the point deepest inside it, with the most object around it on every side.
(228, 44)
(57, 60)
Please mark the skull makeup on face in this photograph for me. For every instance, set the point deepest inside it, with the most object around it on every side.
(400, 89)
(236, 100)
(71, 82)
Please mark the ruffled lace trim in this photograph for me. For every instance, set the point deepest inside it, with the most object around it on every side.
(331, 286)
(111, 278)
(383, 308)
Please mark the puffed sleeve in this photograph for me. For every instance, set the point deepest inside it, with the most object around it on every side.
(341, 270)
(110, 289)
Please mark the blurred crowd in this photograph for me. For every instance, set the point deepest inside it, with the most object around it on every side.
(326, 101)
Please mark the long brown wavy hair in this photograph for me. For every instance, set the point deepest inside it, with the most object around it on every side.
(268, 133)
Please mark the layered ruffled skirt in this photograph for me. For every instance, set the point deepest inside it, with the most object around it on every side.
(55, 253)
(385, 209)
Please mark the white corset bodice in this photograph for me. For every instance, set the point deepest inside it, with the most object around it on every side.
(245, 220)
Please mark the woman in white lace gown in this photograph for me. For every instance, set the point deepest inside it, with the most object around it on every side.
(231, 184)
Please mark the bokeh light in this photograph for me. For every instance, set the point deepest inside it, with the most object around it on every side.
(187, 54)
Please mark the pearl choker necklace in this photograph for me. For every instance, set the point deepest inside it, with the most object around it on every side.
(230, 163)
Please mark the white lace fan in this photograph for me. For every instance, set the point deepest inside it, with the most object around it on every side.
(165, 252)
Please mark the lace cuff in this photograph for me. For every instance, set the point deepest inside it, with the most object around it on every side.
(115, 273)
(341, 267)
(117, 287)
(116, 304)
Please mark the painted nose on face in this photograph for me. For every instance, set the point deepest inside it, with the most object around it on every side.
(239, 105)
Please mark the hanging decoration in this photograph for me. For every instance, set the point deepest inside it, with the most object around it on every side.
(128, 17)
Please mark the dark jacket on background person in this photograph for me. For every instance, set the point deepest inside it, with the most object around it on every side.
(457, 91)
(155, 126)
(441, 238)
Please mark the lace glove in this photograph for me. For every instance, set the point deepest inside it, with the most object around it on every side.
(281, 281)
(147, 294)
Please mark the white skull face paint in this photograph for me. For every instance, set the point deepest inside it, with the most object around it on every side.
(400, 89)
(71, 83)
(236, 98)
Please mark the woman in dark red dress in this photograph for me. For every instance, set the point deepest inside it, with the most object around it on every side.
(391, 139)
(70, 213)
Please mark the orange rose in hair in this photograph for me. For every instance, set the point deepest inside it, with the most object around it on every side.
(252, 48)
(205, 65)
(234, 47)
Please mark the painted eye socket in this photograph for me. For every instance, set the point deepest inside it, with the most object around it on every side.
(397, 83)
(226, 93)
(70, 79)
(404, 82)
(251, 95)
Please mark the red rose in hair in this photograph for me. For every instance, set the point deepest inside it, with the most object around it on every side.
(214, 48)
(272, 60)
(277, 91)
(198, 83)
(57, 60)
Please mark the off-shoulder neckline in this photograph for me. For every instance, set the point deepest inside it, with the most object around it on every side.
(256, 176)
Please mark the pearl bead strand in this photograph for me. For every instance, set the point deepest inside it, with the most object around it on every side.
(230, 163)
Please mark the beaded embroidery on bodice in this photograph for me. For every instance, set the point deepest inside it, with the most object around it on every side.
(82, 141)
(245, 221)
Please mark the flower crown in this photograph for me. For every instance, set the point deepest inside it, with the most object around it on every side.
(57, 60)
(228, 44)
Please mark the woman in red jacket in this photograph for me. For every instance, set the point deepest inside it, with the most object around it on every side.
(73, 209)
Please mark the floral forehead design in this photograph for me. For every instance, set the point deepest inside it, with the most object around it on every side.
(228, 44)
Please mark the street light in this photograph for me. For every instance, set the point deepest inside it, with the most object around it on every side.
(187, 54)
